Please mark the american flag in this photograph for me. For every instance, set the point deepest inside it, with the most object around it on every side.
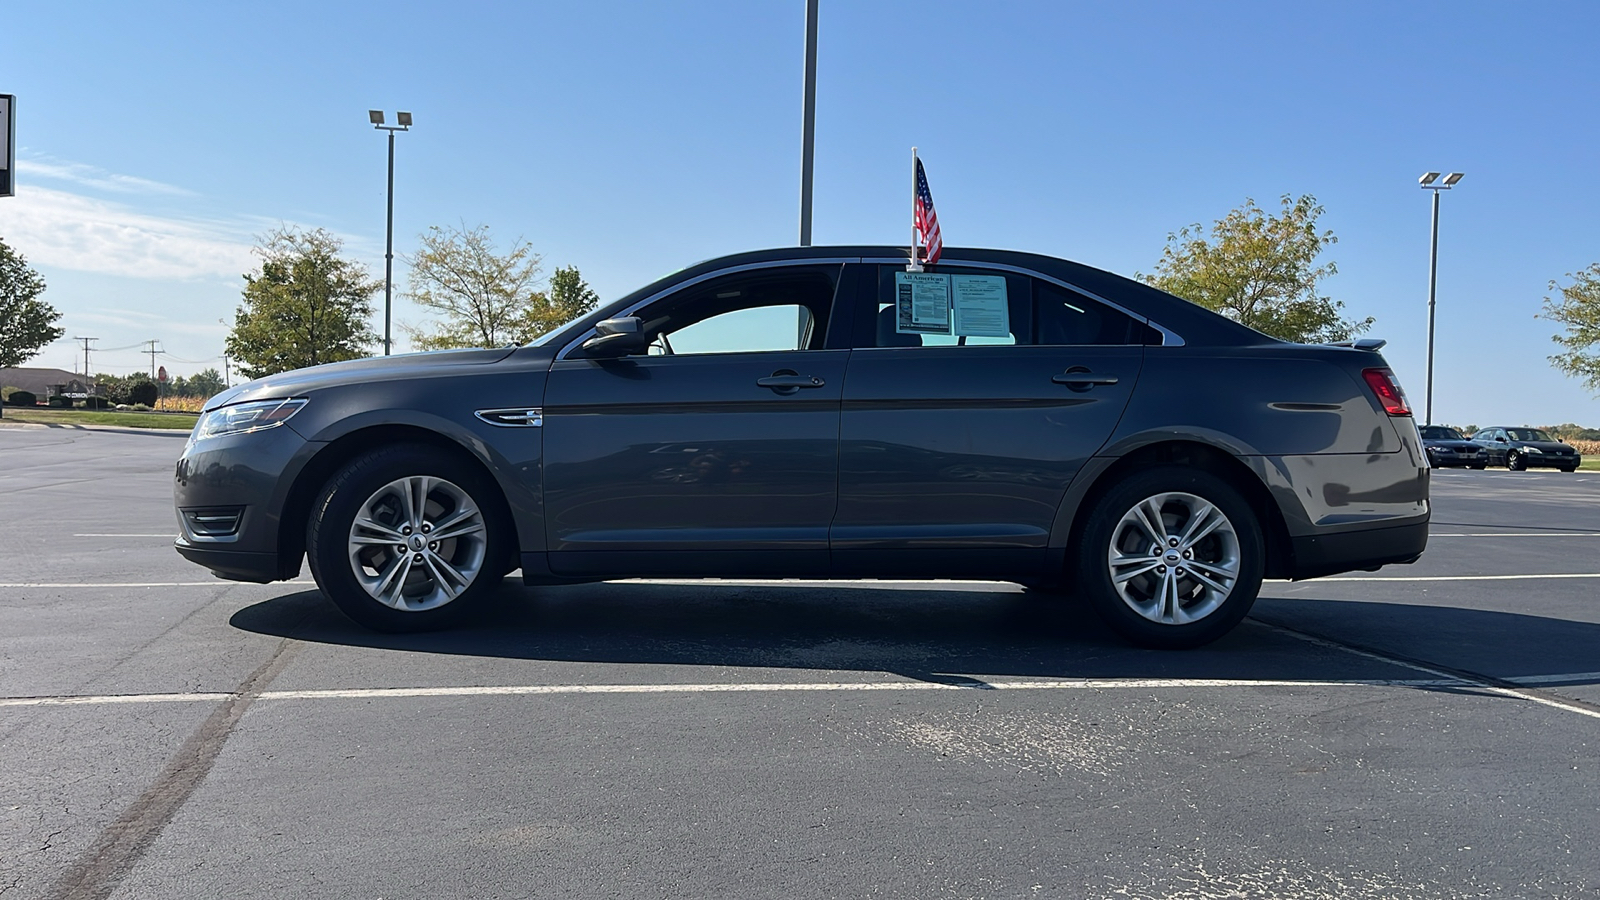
(927, 220)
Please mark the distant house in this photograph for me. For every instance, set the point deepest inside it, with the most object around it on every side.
(42, 382)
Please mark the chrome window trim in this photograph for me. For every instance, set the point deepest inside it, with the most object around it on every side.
(698, 279)
(1169, 338)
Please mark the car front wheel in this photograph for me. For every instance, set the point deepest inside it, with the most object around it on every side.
(1515, 462)
(1171, 558)
(405, 539)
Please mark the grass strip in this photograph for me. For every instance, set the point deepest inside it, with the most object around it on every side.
(175, 420)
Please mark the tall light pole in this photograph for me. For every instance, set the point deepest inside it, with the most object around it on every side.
(404, 118)
(1430, 182)
(808, 138)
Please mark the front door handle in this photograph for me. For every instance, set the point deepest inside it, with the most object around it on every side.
(1079, 378)
(788, 382)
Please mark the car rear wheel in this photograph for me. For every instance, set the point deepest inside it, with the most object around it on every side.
(1171, 558)
(1515, 462)
(406, 539)
(1480, 466)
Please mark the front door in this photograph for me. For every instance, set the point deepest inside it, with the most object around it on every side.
(717, 453)
(960, 432)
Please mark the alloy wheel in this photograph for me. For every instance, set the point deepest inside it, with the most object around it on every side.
(1174, 558)
(417, 543)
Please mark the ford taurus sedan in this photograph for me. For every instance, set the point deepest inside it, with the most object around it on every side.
(826, 413)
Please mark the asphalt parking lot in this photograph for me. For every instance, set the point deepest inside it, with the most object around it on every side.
(1425, 731)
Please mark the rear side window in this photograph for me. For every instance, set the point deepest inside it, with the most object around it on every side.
(983, 307)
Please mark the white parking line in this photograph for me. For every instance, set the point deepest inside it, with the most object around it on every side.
(92, 534)
(515, 690)
(216, 582)
(1459, 577)
(1500, 534)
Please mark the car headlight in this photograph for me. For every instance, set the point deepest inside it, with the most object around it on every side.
(242, 418)
(1533, 449)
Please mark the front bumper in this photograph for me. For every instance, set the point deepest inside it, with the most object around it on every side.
(1551, 461)
(1442, 458)
(248, 475)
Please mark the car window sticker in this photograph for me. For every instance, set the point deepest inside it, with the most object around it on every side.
(922, 303)
(980, 306)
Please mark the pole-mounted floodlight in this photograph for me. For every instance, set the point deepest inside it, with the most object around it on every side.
(375, 116)
(1427, 181)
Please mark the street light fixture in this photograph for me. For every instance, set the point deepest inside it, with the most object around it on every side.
(375, 116)
(1430, 182)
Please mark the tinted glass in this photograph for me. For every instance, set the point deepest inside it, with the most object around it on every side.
(1440, 433)
(1529, 434)
(988, 307)
(745, 313)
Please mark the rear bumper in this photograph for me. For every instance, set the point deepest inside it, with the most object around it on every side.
(1328, 554)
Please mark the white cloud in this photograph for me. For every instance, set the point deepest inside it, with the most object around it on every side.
(95, 177)
(69, 231)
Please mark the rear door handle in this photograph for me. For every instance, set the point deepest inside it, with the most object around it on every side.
(789, 382)
(1077, 377)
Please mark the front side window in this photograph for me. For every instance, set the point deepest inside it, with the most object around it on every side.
(754, 312)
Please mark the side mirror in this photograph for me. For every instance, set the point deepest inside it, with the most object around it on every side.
(617, 337)
(1499, 439)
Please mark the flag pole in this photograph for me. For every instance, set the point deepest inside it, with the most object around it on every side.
(916, 263)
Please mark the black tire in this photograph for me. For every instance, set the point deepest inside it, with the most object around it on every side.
(1515, 462)
(1105, 524)
(1569, 469)
(329, 539)
(1479, 466)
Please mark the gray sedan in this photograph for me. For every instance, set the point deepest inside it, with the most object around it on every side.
(827, 412)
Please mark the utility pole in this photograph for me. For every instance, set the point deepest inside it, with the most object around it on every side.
(1430, 182)
(86, 341)
(808, 129)
(152, 351)
(227, 376)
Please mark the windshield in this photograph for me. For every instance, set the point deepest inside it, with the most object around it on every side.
(1528, 434)
(1440, 433)
(545, 338)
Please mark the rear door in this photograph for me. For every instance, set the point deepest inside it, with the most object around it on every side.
(715, 454)
(961, 432)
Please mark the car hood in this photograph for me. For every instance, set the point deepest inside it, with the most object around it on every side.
(297, 382)
(1451, 444)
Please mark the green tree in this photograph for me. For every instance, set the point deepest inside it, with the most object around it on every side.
(205, 383)
(26, 322)
(569, 297)
(306, 306)
(1261, 271)
(1578, 312)
(483, 295)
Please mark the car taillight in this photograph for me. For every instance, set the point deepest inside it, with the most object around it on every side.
(1387, 387)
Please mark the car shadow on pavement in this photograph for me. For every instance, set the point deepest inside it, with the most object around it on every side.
(940, 635)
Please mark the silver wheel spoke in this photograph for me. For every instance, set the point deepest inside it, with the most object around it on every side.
(392, 535)
(439, 568)
(1222, 571)
(1132, 567)
(1205, 521)
(401, 567)
(1158, 533)
(457, 531)
(1207, 581)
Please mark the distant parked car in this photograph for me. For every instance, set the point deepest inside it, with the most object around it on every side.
(1519, 448)
(1449, 447)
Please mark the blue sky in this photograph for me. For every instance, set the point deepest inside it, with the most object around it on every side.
(631, 139)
